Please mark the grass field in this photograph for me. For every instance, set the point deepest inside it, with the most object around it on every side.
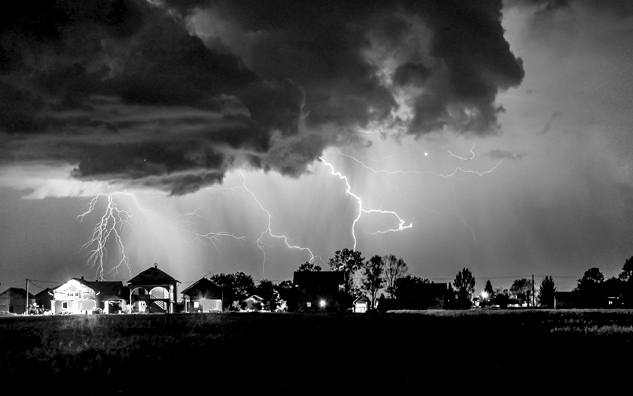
(299, 353)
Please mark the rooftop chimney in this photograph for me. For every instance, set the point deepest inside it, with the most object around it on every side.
(155, 265)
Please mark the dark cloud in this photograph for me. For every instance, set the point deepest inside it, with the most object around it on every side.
(172, 95)
(504, 154)
(618, 8)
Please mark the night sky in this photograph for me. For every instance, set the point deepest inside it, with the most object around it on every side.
(489, 135)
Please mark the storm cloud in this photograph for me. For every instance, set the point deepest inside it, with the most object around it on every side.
(172, 95)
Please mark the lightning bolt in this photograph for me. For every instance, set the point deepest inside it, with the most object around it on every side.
(110, 226)
(408, 172)
(472, 152)
(109, 229)
(382, 172)
(268, 230)
(361, 209)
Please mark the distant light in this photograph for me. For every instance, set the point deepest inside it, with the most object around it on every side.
(484, 294)
(322, 303)
(426, 154)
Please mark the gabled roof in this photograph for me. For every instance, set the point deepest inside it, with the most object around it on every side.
(17, 290)
(254, 297)
(362, 299)
(45, 292)
(152, 276)
(318, 278)
(106, 289)
(205, 287)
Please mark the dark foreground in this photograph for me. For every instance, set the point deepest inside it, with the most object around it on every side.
(471, 351)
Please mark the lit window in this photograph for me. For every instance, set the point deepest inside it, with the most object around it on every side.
(308, 304)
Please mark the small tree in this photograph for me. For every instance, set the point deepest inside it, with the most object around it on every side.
(349, 262)
(266, 290)
(522, 289)
(588, 287)
(309, 267)
(373, 280)
(627, 270)
(409, 291)
(464, 286)
(488, 288)
(546, 292)
(287, 294)
(395, 268)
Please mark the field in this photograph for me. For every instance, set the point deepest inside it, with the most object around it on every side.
(298, 353)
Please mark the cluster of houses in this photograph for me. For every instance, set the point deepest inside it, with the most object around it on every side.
(155, 291)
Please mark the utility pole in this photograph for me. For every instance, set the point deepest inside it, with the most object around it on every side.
(27, 297)
(532, 291)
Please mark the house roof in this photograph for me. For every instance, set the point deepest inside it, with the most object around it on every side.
(45, 292)
(152, 276)
(205, 287)
(17, 290)
(254, 297)
(361, 299)
(107, 289)
(308, 278)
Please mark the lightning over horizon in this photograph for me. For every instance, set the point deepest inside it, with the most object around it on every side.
(361, 209)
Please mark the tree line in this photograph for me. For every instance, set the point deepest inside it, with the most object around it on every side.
(389, 274)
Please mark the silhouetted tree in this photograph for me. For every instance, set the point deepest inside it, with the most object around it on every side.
(490, 295)
(546, 292)
(266, 290)
(588, 288)
(627, 270)
(488, 288)
(501, 298)
(464, 286)
(373, 277)
(410, 292)
(522, 289)
(349, 262)
(627, 288)
(395, 268)
(287, 293)
(309, 267)
(236, 286)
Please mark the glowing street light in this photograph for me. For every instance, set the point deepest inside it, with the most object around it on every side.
(322, 303)
(484, 295)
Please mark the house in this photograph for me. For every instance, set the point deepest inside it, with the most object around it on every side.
(153, 291)
(204, 296)
(361, 304)
(564, 299)
(13, 300)
(318, 291)
(252, 303)
(44, 299)
(79, 296)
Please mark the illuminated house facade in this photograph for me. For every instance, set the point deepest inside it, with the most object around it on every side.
(204, 296)
(153, 291)
(78, 296)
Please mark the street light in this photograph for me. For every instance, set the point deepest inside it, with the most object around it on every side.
(322, 303)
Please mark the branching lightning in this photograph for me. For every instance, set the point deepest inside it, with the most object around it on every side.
(110, 226)
(268, 231)
(472, 151)
(361, 209)
(382, 174)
